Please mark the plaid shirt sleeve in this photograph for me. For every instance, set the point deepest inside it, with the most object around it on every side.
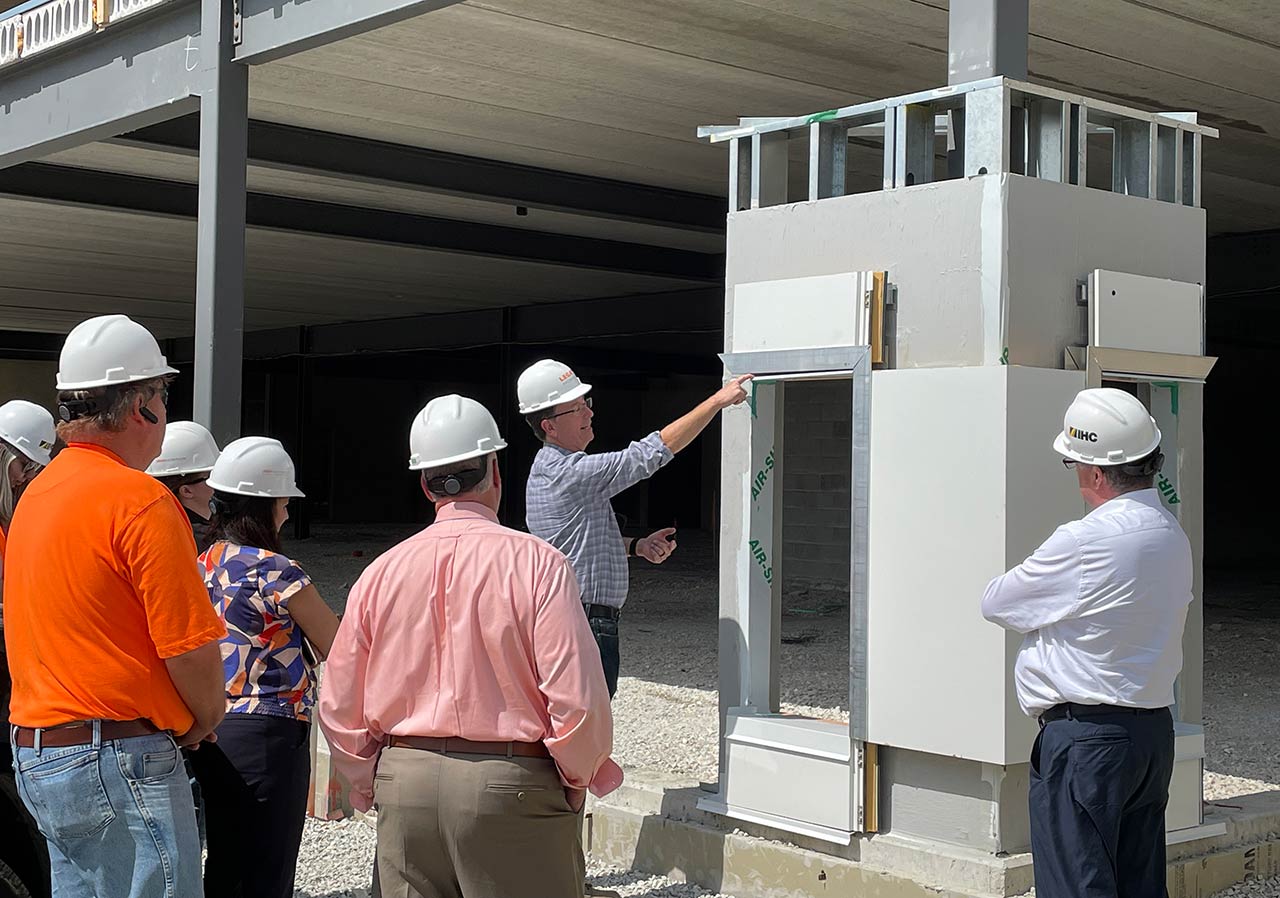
(612, 472)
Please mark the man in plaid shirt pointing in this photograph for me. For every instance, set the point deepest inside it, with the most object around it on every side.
(568, 493)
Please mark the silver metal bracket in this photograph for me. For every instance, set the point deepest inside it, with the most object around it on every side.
(237, 26)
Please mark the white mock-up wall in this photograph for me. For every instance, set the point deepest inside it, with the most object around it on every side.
(964, 485)
(1059, 234)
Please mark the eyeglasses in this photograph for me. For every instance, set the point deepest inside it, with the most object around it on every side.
(586, 403)
(163, 393)
(1068, 463)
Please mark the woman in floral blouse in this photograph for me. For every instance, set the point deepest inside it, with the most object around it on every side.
(254, 778)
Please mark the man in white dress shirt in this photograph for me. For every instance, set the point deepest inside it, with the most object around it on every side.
(1102, 604)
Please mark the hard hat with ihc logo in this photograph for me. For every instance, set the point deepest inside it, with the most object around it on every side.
(28, 428)
(1106, 426)
(188, 449)
(255, 466)
(107, 351)
(451, 429)
(548, 383)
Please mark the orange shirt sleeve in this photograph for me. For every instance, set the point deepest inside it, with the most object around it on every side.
(159, 554)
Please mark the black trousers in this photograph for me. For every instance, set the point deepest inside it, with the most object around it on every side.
(606, 633)
(254, 782)
(1099, 788)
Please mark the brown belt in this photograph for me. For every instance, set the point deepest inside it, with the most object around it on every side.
(455, 746)
(82, 733)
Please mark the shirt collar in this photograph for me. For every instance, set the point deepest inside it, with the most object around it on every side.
(1149, 497)
(466, 511)
(100, 450)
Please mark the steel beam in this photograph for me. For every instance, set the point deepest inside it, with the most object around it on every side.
(374, 161)
(698, 311)
(79, 186)
(126, 77)
(272, 29)
(987, 38)
(220, 253)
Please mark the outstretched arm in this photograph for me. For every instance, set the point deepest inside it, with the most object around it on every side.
(682, 431)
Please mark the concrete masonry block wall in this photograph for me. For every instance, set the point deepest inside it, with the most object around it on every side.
(817, 442)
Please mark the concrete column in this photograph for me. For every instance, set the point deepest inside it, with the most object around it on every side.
(987, 38)
(220, 254)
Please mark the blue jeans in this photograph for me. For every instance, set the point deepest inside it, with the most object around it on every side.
(117, 815)
(606, 633)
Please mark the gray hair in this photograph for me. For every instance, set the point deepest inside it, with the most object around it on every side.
(114, 405)
(1137, 475)
(467, 466)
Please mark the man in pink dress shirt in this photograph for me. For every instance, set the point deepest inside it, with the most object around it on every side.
(464, 694)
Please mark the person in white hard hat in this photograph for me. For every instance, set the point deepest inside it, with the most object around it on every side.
(568, 493)
(1101, 605)
(465, 675)
(27, 439)
(183, 465)
(112, 642)
(254, 778)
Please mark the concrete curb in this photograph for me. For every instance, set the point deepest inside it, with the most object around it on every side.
(652, 825)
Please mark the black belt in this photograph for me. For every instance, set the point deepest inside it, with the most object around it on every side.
(607, 612)
(1072, 710)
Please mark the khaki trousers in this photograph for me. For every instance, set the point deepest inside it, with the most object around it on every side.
(474, 826)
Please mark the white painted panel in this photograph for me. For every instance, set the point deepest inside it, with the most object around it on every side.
(1186, 789)
(1128, 311)
(928, 238)
(937, 672)
(1185, 795)
(790, 768)
(964, 484)
(1059, 233)
(800, 313)
(1039, 495)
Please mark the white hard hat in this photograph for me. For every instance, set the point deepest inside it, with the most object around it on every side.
(547, 383)
(109, 350)
(1105, 426)
(28, 428)
(188, 449)
(450, 429)
(255, 466)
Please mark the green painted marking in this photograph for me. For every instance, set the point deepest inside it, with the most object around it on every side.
(1004, 356)
(762, 560)
(762, 477)
(1172, 387)
(1167, 490)
(822, 116)
(751, 400)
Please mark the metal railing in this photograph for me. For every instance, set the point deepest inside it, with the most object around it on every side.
(10, 39)
(53, 24)
(60, 22)
(992, 126)
(123, 8)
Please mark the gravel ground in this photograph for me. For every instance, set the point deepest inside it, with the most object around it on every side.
(670, 675)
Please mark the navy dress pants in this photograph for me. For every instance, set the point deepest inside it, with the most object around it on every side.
(1099, 788)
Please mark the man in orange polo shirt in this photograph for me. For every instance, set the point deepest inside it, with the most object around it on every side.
(112, 639)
